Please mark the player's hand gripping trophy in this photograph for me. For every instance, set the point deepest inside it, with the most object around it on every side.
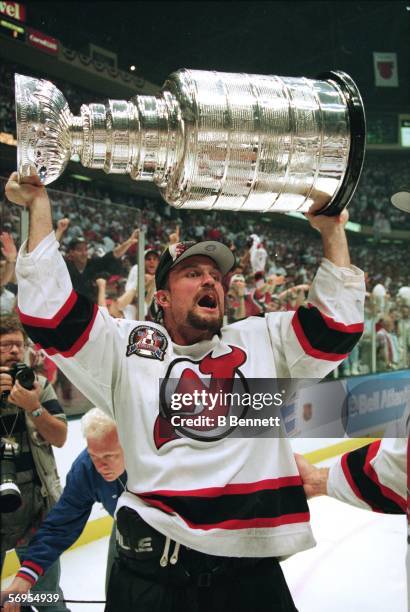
(209, 140)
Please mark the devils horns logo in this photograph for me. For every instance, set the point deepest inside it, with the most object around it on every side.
(385, 69)
(214, 376)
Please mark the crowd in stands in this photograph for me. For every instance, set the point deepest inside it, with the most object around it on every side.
(275, 265)
(381, 177)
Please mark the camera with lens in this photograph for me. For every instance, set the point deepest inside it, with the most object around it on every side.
(24, 374)
(10, 494)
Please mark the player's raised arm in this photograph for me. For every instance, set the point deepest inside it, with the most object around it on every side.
(320, 334)
(30, 192)
(333, 234)
(80, 339)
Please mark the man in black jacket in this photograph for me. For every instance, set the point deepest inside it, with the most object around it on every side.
(84, 270)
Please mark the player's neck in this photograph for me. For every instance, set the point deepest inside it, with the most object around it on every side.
(187, 335)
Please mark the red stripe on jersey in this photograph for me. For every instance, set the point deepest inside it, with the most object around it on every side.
(308, 348)
(261, 523)
(371, 473)
(34, 566)
(231, 489)
(79, 343)
(349, 478)
(332, 324)
(53, 322)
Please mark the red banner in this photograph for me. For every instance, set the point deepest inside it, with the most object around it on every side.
(385, 69)
(48, 44)
(14, 10)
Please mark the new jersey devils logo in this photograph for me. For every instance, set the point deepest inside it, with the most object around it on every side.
(207, 382)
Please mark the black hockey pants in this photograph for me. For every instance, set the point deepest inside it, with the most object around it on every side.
(153, 574)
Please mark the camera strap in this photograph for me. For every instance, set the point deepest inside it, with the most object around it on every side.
(9, 435)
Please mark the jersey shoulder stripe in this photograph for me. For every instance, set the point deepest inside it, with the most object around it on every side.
(322, 337)
(66, 332)
(365, 486)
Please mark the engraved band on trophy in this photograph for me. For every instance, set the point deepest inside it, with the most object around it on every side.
(209, 140)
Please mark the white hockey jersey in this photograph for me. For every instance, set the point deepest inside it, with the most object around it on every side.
(230, 496)
(377, 477)
(373, 477)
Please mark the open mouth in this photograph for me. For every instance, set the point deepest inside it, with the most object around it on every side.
(207, 301)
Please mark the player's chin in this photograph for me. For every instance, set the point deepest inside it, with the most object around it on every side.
(206, 318)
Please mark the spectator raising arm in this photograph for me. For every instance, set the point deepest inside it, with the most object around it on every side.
(122, 248)
(10, 253)
(174, 237)
(62, 226)
(101, 286)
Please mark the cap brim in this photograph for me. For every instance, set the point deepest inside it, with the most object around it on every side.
(220, 253)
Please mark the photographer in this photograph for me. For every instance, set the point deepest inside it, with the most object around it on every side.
(97, 475)
(31, 420)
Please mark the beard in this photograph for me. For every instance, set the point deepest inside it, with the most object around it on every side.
(213, 324)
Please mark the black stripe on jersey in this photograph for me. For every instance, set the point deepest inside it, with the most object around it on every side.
(264, 504)
(323, 338)
(369, 490)
(68, 331)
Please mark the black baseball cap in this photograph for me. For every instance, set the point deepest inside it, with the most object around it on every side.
(175, 253)
(75, 242)
(151, 250)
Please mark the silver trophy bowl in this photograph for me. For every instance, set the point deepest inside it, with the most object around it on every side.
(209, 140)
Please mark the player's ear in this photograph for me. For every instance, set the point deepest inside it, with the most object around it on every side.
(162, 298)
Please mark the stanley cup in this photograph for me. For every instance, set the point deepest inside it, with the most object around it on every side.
(209, 140)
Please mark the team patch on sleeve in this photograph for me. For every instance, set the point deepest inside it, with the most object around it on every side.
(322, 337)
(66, 332)
(146, 341)
(365, 482)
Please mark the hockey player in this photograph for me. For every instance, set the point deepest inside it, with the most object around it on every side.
(373, 477)
(232, 506)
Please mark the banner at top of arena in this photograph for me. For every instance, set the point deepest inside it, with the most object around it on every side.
(14, 10)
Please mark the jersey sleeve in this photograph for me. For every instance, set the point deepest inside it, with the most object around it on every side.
(311, 341)
(82, 339)
(372, 477)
